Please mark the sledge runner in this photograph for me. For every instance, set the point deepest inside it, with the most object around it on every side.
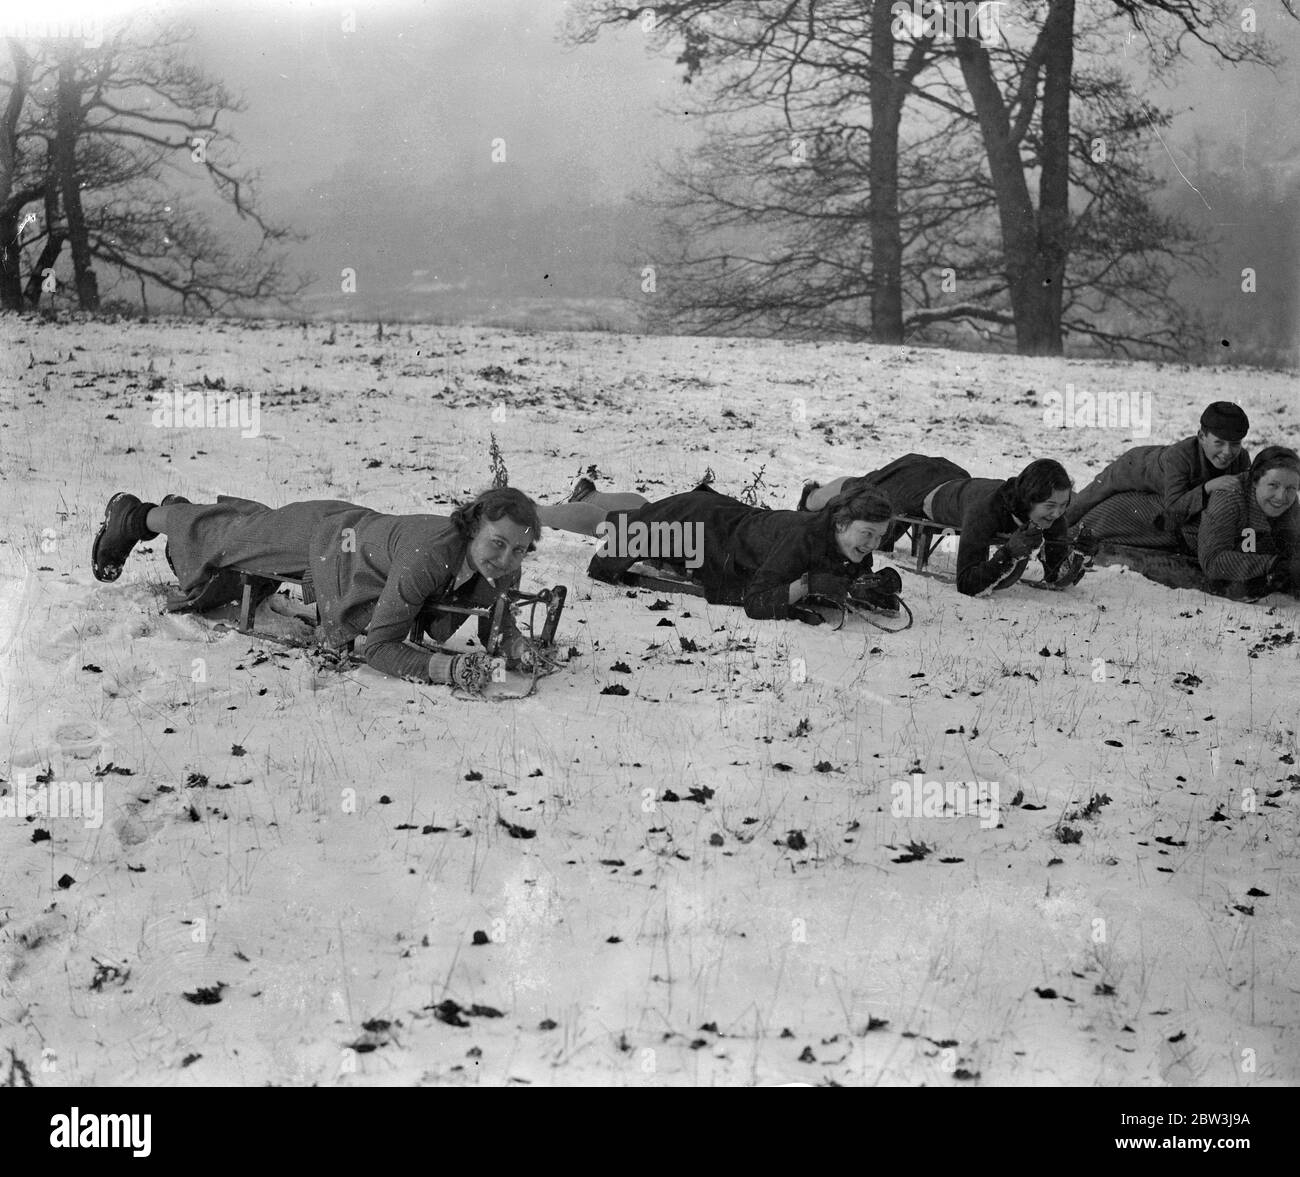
(373, 575)
(1147, 496)
(767, 561)
(1030, 507)
(1249, 538)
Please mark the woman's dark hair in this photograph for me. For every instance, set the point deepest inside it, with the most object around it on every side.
(1273, 457)
(1039, 481)
(864, 503)
(497, 503)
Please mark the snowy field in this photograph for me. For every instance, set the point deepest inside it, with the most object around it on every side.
(307, 877)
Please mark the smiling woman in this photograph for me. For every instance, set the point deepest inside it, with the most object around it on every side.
(1029, 509)
(1249, 537)
(372, 574)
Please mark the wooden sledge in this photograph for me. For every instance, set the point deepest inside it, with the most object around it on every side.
(650, 577)
(256, 587)
(662, 581)
(925, 535)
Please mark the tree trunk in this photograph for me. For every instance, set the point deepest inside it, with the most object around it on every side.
(1034, 253)
(54, 238)
(11, 282)
(1054, 182)
(67, 125)
(882, 214)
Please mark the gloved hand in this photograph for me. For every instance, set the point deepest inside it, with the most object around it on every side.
(1279, 580)
(469, 672)
(1023, 543)
(1085, 541)
(806, 615)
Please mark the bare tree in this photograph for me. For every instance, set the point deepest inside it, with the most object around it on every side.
(1009, 88)
(1086, 254)
(16, 189)
(781, 56)
(69, 120)
(117, 158)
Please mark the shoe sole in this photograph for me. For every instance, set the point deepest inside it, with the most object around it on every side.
(106, 573)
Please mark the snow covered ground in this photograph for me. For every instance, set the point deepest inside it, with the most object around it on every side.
(703, 880)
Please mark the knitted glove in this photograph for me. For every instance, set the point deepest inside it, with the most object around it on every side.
(807, 616)
(469, 672)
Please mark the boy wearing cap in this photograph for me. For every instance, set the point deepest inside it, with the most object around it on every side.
(1147, 496)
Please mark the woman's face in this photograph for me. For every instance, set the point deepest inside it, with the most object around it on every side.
(1276, 490)
(498, 547)
(857, 540)
(1043, 515)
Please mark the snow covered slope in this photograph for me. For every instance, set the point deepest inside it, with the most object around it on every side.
(300, 876)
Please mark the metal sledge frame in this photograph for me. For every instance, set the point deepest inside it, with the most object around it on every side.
(552, 598)
(255, 586)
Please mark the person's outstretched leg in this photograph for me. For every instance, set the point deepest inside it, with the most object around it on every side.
(823, 494)
(1131, 518)
(584, 517)
(156, 520)
(1113, 480)
(580, 518)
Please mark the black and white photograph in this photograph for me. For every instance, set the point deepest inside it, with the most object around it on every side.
(714, 543)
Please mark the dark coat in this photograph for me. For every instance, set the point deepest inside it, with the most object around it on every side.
(985, 508)
(751, 556)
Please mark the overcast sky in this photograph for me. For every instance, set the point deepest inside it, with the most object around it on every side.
(377, 142)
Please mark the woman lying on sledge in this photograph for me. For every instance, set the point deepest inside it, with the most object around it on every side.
(767, 561)
(372, 574)
(1249, 537)
(1029, 509)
